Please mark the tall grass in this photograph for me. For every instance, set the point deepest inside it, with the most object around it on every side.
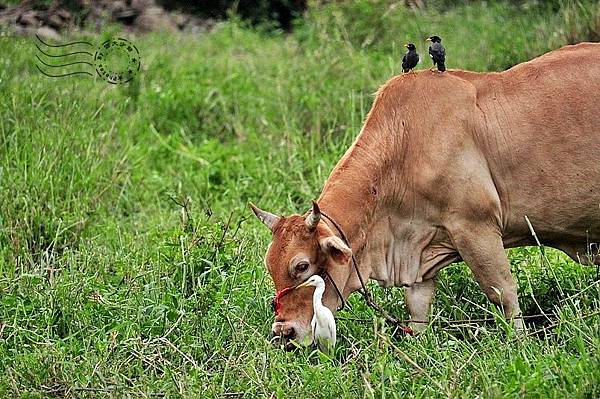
(128, 264)
(581, 20)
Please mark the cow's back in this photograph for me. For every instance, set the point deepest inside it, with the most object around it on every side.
(540, 132)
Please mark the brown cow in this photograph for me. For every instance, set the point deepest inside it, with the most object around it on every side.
(446, 168)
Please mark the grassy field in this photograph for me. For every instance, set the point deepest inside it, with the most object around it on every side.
(130, 265)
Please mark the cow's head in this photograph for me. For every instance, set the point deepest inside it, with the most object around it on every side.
(303, 246)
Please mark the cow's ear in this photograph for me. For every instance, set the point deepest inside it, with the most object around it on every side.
(335, 248)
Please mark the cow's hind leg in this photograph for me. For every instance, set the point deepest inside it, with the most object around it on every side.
(418, 299)
(589, 255)
(485, 255)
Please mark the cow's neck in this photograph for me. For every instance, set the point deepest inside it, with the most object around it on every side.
(351, 193)
(358, 192)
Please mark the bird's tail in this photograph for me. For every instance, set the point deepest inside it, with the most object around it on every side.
(441, 66)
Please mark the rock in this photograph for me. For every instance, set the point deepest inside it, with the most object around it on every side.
(155, 18)
(415, 4)
(55, 22)
(117, 6)
(136, 15)
(123, 12)
(29, 18)
(141, 5)
(180, 20)
(64, 15)
(126, 16)
(48, 33)
(23, 30)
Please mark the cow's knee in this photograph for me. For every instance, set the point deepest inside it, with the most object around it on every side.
(485, 255)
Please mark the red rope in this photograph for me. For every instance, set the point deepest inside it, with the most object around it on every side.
(278, 295)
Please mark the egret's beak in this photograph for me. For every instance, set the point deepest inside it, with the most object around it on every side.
(428, 39)
(304, 284)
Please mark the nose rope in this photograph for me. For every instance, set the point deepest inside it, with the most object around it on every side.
(278, 295)
(364, 291)
(337, 290)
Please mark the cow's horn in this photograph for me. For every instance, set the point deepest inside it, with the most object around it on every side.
(313, 218)
(267, 218)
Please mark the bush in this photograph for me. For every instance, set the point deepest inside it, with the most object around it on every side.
(278, 13)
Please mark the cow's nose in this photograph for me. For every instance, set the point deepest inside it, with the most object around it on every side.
(285, 339)
(288, 333)
(283, 331)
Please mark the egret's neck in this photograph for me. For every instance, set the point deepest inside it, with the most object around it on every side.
(318, 296)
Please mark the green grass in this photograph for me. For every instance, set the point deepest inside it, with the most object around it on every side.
(130, 266)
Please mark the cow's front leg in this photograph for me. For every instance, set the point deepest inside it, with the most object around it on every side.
(485, 255)
(418, 300)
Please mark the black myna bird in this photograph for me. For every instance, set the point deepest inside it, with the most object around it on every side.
(437, 53)
(411, 58)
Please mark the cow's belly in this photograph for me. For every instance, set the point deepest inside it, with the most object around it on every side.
(543, 146)
(559, 191)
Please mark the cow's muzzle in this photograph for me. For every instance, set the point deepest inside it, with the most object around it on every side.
(288, 334)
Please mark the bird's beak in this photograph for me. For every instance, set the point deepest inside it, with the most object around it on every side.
(428, 39)
(304, 284)
(406, 45)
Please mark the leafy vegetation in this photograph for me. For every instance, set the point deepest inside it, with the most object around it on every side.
(130, 266)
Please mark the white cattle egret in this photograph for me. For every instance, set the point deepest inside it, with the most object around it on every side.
(323, 323)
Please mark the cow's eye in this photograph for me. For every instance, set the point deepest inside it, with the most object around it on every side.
(301, 267)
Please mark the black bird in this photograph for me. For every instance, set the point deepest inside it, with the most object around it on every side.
(437, 53)
(411, 58)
